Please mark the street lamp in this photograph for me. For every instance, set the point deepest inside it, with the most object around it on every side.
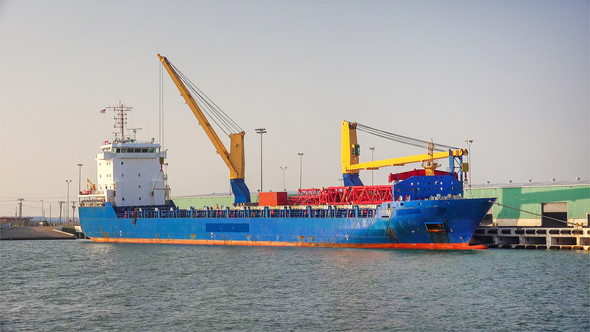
(60, 212)
(68, 203)
(300, 167)
(469, 141)
(260, 131)
(372, 148)
(79, 177)
(283, 169)
(73, 213)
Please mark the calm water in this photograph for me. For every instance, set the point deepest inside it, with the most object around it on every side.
(66, 285)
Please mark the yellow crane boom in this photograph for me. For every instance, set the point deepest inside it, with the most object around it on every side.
(350, 152)
(235, 158)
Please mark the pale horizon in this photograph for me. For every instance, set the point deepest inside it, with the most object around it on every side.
(512, 76)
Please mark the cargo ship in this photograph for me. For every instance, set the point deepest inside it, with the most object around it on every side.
(421, 209)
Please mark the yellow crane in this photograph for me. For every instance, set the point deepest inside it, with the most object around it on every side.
(350, 152)
(91, 188)
(234, 159)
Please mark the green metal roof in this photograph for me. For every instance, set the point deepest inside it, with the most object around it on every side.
(203, 201)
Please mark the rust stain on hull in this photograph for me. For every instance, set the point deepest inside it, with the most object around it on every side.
(438, 246)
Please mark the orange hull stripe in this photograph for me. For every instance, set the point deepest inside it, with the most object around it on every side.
(437, 246)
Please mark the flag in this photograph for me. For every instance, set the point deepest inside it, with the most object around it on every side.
(103, 111)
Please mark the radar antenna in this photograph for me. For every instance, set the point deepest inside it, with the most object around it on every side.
(134, 130)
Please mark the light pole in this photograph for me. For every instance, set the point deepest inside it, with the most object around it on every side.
(283, 169)
(73, 213)
(79, 177)
(260, 131)
(469, 141)
(60, 211)
(68, 202)
(372, 148)
(20, 211)
(300, 167)
(341, 184)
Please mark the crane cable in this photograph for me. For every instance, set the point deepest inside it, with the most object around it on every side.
(213, 112)
(420, 143)
(402, 139)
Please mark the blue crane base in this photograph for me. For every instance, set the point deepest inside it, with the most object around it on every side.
(352, 179)
(241, 191)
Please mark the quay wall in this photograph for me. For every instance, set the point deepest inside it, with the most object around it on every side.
(576, 238)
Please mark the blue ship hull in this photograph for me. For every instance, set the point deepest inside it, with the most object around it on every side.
(424, 224)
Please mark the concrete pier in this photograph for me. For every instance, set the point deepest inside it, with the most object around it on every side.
(577, 238)
(79, 234)
(8, 232)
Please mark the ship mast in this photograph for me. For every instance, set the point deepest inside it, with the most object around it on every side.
(120, 119)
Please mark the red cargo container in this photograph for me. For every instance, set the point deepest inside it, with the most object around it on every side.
(272, 198)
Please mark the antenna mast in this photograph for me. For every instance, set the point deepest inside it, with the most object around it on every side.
(120, 119)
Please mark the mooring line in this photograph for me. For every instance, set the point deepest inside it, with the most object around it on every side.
(536, 214)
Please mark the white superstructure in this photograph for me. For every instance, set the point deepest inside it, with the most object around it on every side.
(129, 172)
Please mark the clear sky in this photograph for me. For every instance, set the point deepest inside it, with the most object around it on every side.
(512, 76)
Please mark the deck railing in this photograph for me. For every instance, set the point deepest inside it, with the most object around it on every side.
(279, 212)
